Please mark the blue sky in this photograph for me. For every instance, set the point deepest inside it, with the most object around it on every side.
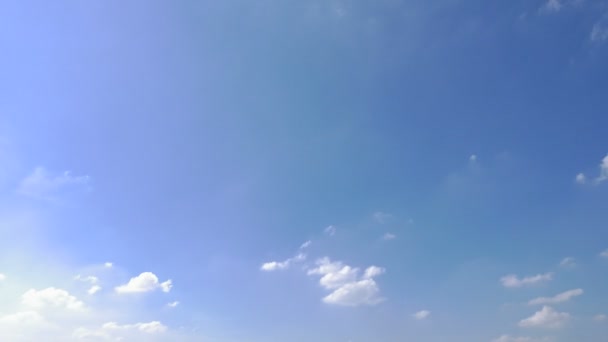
(322, 170)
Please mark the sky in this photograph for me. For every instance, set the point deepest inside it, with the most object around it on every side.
(320, 170)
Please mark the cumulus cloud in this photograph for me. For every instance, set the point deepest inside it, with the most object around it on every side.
(580, 178)
(330, 230)
(547, 317)
(423, 314)
(507, 338)
(599, 33)
(173, 304)
(381, 217)
(560, 298)
(116, 332)
(41, 184)
(145, 282)
(514, 281)
(348, 288)
(51, 298)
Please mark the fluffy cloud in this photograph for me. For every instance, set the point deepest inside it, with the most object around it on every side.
(560, 298)
(547, 317)
(423, 314)
(348, 288)
(513, 280)
(145, 282)
(51, 298)
(507, 338)
(42, 185)
(599, 33)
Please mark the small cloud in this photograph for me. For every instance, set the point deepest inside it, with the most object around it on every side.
(349, 289)
(88, 279)
(149, 328)
(145, 282)
(513, 281)
(473, 158)
(108, 265)
(567, 262)
(599, 34)
(547, 317)
(173, 304)
(580, 178)
(94, 289)
(600, 318)
(552, 6)
(306, 244)
(330, 230)
(2, 277)
(389, 236)
(560, 298)
(423, 314)
(507, 338)
(51, 297)
(283, 265)
(382, 217)
(604, 254)
(40, 184)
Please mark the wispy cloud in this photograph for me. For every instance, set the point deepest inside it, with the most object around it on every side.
(381, 217)
(40, 184)
(285, 264)
(547, 317)
(599, 32)
(552, 6)
(347, 286)
(560, 298)
(423, 314)
(330, 230)
(389, 236)
(568, 262)
(514, 281)
(604, 254)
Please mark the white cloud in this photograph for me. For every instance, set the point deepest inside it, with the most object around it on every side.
(382, 217)
(89, 279)
(145, 282)
(306, 244)
(473, 158)
(51, 297)
(560, 298)
(23, 318)
(507, 338)
(604, 254)
(116, 332)
(567, 262)
(173, 304)
(600, 318)
(330, 230)
(389, 236)
(604, 165)
(2, 277)
(580, 178)
(348, 288)
(512, 280)
(275, 265)
(108, 265)
(149, 328)
(42, 185)
(94, 289)
(547, 317)
(423, 314)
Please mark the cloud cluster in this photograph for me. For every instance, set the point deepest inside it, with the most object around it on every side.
(348, 287)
